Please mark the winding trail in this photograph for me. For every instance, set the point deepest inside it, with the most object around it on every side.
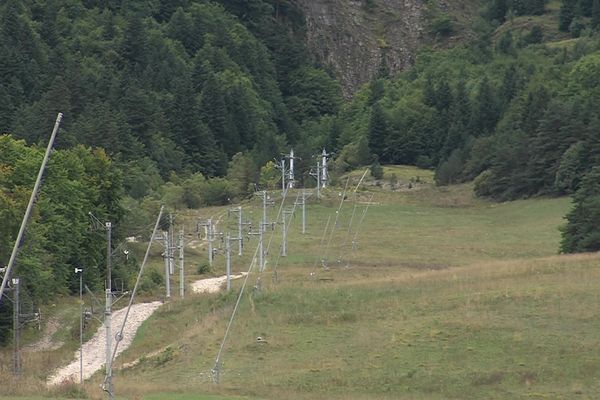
(94, 349)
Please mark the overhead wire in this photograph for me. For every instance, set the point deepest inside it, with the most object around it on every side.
(362, 218)
(287, 228)
(119, 335)
(335, 224)
(215, 371)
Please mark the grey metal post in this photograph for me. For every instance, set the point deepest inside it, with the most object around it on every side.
(240, 238)
(292, 177)
(210, 240)
(284, 214)
(80, 272)
(34, 192)
(16, 327)
(261, 254)
(318, 179)
(108, 313)
(303, 211)
(283, 180)
(181, 266)
(324, 168)
(167, 275)
(284, 235)
(228, 258)
(171, 247)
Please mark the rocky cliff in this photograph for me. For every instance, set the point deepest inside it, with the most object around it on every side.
(354, 37)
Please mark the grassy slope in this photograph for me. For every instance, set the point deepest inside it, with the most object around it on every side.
(447, 296)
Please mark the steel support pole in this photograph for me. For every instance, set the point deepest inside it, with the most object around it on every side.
(228, 259)
(181, 267)
(16, 327)
(34, 192)
(167, 271)
(240, 239)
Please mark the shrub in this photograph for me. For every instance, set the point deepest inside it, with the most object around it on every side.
(376, 170)
(442, 25)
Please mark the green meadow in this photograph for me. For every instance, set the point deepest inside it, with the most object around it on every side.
(441, 296)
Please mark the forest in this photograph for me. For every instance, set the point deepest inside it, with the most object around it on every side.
(188, 102)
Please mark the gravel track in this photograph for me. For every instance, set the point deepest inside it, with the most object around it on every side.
(94, 350)
(213, 285)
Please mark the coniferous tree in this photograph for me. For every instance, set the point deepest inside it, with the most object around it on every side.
(498, 10)
(429, 95)
(581, 232)
(596, 15)
(486, 110)
(566, 14)
(378, 131)
(547, 148)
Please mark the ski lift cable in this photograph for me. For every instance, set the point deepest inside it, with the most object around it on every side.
(137, 282)
(287, 228)
(322, 242)
(337, 218)
(354, 199)
(215, 369)
(279, 212)
(362, 218)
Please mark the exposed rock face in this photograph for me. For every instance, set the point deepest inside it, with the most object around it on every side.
(354, 39)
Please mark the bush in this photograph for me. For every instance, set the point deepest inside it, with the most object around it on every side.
(217, 192)
(482, 186)
(204, 268)
(450, 170)
(423, 162)
(442, 25)
(376, 170)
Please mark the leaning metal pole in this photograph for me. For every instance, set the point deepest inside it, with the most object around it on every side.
(34, 194)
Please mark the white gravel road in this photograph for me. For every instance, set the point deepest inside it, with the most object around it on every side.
(94, 350)
(213, 285)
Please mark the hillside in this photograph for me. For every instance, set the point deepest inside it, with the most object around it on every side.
(440, 281)
(490, 106)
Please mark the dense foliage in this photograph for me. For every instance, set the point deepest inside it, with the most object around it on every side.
(78, 181)
(163, 86)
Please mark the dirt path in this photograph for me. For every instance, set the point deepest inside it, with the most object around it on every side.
(213, 285)
(46, 343)
(94, 350)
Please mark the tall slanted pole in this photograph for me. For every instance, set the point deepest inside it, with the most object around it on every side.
(34, 193)
(181, 267)
(108, 313)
